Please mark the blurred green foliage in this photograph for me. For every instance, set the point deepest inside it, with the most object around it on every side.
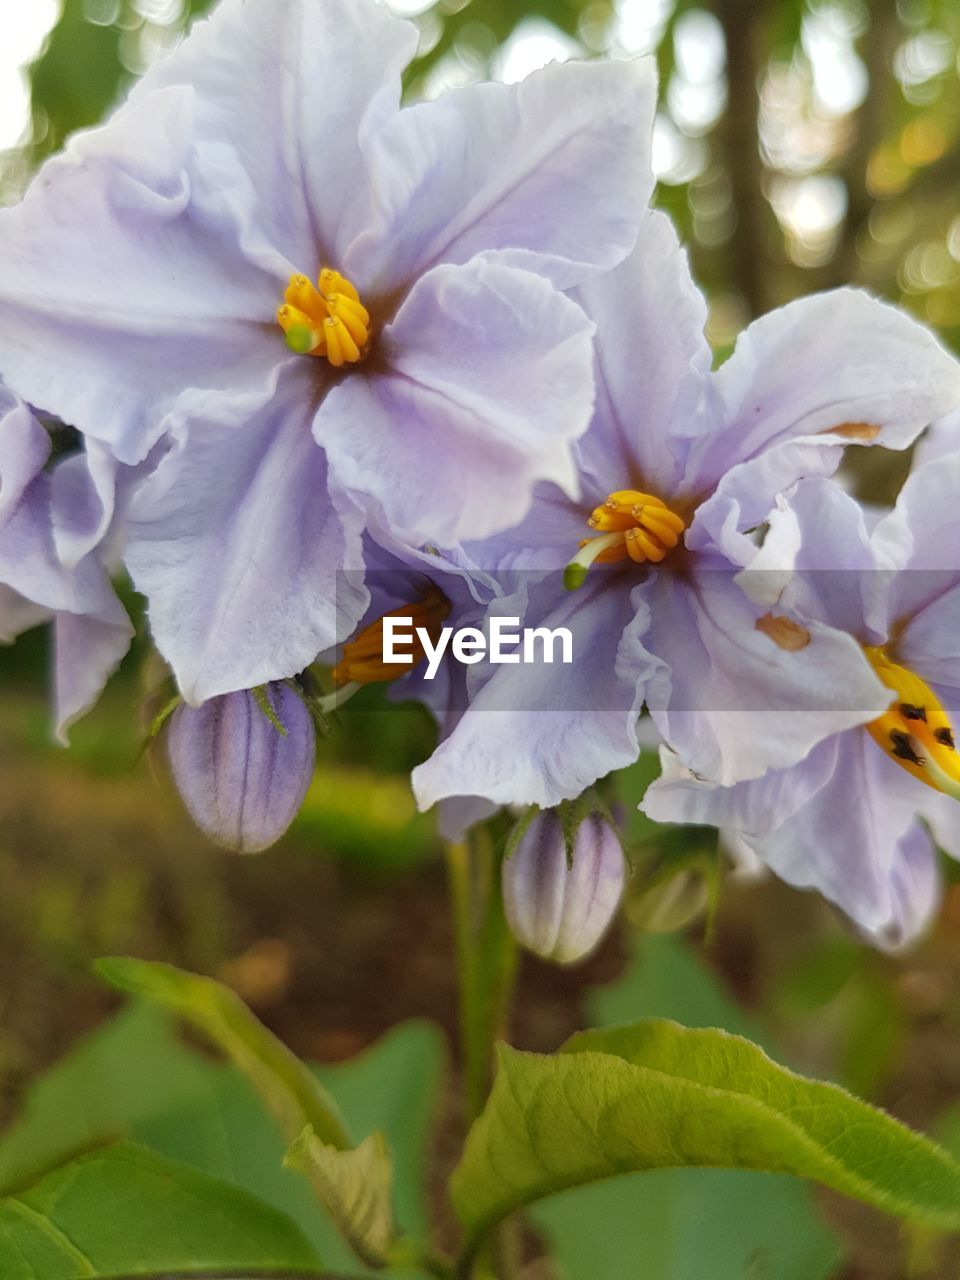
(800, 143)
(134, 1078)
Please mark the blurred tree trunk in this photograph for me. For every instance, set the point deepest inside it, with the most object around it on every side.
(742, 31)
(871, 122)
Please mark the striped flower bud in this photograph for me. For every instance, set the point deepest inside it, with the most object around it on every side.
(241, 779)
(560, 907)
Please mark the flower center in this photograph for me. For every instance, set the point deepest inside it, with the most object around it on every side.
(630, 526)
(362, 661)
(915, 730)
(326, 319)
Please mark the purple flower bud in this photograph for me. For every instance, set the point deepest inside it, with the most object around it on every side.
(240, 778)
(561, 909)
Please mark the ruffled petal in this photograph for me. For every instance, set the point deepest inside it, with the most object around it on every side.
(651, 359)
(289, 89)
(18, 614)
(841, 822)
(820, 373)
(539, 733)
(88, 648)
(485, 381)
(746, 689)
(917, 544)
(243, 553)
(91, 628)
(551, 174)
(118, 293)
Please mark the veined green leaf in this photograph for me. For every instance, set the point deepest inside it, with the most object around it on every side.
(656, 1095)
(287, 1085)
(125, 1211)
(357, 1189)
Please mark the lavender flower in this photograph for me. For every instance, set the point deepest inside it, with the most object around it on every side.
(324, 303)
(242, 764)
(56, 529)
(560, 906)
(846, 819)
(682, 471)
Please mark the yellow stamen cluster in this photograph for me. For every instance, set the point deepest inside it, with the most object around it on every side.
(362, 661)
(325, 319)
(915, 731)
(630, 525)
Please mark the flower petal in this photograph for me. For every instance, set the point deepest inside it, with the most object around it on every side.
(88, 648)
(18, 614)
(650, 353)
(289, 89)
(842, 822)
(91, 628)
(540, 733)
(118, 294)
(239, 548)
(552, 173)
(744, 689)
(917, 544)
(486, 383)
(824, 371)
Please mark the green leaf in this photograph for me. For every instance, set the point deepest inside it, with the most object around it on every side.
(667, 978)
(662, 1224)
(357, 1189)
(286, 1084)
(134, 1077)
(688, 1224)
(111, 1081)
(126, 1211)
(656, 1095)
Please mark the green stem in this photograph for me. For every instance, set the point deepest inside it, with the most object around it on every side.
(487, 967)
(486, 960)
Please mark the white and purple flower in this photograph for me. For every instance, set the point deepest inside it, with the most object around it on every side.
(58, 530)
(681, 473)
(324, 302)
(846, 820)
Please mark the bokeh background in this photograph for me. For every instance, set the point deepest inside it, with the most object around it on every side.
(798, 146)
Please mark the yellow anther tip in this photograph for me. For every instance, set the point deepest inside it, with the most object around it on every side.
(331, 324)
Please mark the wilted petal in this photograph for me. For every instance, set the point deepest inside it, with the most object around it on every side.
(84, 499)
(91, 628)
(486, 383)
(551, 173)
(241, 551)
(242, 780)
(457, 815)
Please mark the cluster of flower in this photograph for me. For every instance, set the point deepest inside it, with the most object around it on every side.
(488, 394)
